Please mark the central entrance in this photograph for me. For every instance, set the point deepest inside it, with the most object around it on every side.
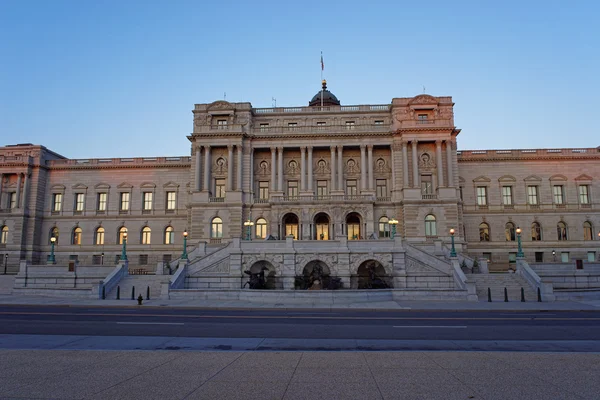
(353, 226)
(322, 226)
(290, 223)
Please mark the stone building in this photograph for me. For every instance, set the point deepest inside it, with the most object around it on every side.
(322, 172)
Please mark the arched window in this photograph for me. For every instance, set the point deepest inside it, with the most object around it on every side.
(169, 235)
(430, 226)
(76, 236)
(561, 231)
(536, 232)
(509, 232)
(4, 235)
(146, 235)
(122, 232)
(53, 234)
(99, 240)
(261, 228)
(587, 231)
(384, 227)
(216, 228)
(484, 232)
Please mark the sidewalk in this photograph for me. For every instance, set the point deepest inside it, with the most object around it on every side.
(593, 305)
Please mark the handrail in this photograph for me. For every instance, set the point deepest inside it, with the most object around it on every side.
(177, 281)
(112, 279)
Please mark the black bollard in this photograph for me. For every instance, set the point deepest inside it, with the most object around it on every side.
(505, 295)
(522, 295)
(489, 295)
(103, 292)
(140, 299)
(118, 292)
(133, 293)
(539, 295)
(148, 293)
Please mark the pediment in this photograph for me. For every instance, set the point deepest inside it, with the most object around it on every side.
(125, 185)
(148, 185)
(482, 179)
(58, 187)
(102, 186)
(507, 178)
(220, 105)
(423, 99)
(584, 177)
(558, 177)
(533, 178)
(171, 184)
(79, 186)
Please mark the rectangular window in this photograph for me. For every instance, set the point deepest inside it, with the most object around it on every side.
(147, 201)
(171, 201)
(102, 198)
(422, 118)
(124, 203)
(426, 184)
(460, 190)
(12, 200)
(96, 259)
(293, 126)
(263, 190)
(584, 196)
(321, 189)
(481, 196)
(532, 195)
(221, 124)
(591, 256)
(79, 202)
(320, 125)
(381, 188)
(507, 198)
(539, 256)
(220, 188)
(378, 122)
(56, 202)
(557, 194)
(143, 260)
(350, 125)
(292, 189)
(264, 127)
(564, 256)
(351, 189)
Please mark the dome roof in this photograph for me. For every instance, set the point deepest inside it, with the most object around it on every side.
(329, 98)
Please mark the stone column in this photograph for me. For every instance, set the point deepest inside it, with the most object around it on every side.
(26, 190)
(19, 184)
(405, 182)
(393, 164)
(240, 161)
(251, 175)
(207, 183)
(415, 164)
(340, 168)
(332, 169)
(311, 183)
(303, 168)
(449, 162)
(438, 156)
(273, 170)
(1, 183)
(280, 169)
(229, 168)
(197, 169)
(363, 167)
(370, 170)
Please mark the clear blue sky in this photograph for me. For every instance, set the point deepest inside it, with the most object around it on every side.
(119, 78)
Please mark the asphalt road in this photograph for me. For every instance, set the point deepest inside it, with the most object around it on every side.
(301, 324)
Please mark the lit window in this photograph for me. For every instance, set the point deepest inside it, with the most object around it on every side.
(532, 195)
(4, 235)
(587, 231)
(561, 231)
(430, 226)
(53, 234)
(169, 235)
(584, 196)
(263, 190)
(261, 228)
(321, 189)
(99, 236)
(171, 201)
(101, 206)
(146, 235)
(536, 232)
(122, 234)
(216, 228)
(351, 188)
(77, 236)
(426, 184)
(484, 232)
(481, 196)
(220, 188)
(384, 227)
(507, 198)
(292, 189)
(79, 202)
(510, 232)
(12, 200)
(557, 194)
(124, 204)
(56, 202)
(147, 201)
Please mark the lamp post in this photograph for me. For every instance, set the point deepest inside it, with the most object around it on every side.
(519, 248)
(453, 249)
(393, 222)
(5, 262)
(249, 224)
(554, 255)
(124, 252)
(184, 255)
(52, 241)
(102, 258)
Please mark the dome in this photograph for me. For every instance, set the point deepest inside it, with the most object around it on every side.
(329, 98)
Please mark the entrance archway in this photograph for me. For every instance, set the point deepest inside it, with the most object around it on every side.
(322, 226)
(353, 226)
(372, 275)
(315, 276)
(270, 274)
(290, 225)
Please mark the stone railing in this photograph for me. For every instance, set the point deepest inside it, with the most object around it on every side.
(534, 281)
(525, 153)
(99, 162)
(325, 198)
(321, 128)
(345, 109)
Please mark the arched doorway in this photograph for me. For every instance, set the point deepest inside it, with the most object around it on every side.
(316, 276)
(322, 226)
(372, 275)
(353, 226)
(290, 225)
(264, 270)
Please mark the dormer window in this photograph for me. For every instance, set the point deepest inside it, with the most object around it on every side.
(422, 118)
(350, 125)
(320, 125)
(293, 126)
(221, 124)
(264, 127)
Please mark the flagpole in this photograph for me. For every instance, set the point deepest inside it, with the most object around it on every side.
(322, 89)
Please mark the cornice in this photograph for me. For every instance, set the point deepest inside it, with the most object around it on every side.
(530, 158)
(120, 166)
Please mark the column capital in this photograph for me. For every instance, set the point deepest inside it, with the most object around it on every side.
(363, 147)
(206, 146)
(332, 149)
(340, 147)
(310, 148)
(230, 147)
(438, 142)
(414, 141)
(280, 148)
(273, 148)
(303, 149)
(405, 143)
(370, 147)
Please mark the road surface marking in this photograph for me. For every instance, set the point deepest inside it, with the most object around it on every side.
(433, 326)
(150, 323)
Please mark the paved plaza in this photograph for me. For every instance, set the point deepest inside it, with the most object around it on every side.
(60, 374)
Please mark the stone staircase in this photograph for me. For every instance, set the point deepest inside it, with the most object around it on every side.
(141, 283)
(497, 282)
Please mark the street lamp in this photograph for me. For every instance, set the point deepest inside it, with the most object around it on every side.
(519, 248)
(393, 222)
(248, 224)
(184, 255)
(52, 241)
(102, 258)
(453, 249)
(5, 262)
(554, 255)
(124, 252)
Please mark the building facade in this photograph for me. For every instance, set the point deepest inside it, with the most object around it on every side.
(319, 172)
